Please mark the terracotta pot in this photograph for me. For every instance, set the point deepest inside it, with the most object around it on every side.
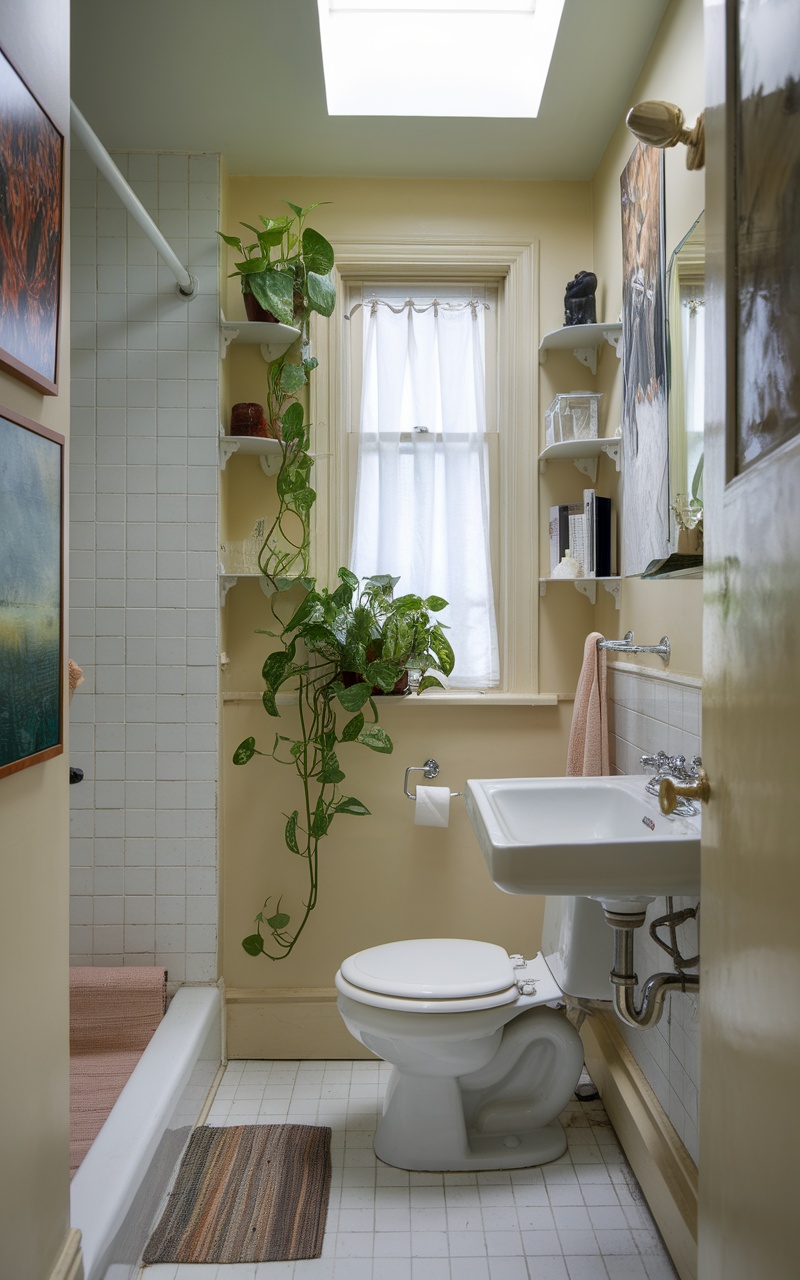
(254, 310)
(247, 419)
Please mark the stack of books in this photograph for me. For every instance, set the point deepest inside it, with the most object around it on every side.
(587, 530)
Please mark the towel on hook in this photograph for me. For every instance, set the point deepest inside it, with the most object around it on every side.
(587, 754)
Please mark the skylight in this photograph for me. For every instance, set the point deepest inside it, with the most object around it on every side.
(480, 58)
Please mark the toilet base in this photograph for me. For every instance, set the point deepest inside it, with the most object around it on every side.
(502, 1116)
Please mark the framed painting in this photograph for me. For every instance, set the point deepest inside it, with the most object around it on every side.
(645, 422)
(31, 592)
(31, 231)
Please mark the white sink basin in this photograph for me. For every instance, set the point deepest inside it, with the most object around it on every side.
(593, 837)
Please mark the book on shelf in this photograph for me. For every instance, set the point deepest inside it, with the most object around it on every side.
(560, 531)
(600, 540)
(587, 530)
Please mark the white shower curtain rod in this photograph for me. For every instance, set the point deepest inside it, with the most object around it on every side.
(187, 283)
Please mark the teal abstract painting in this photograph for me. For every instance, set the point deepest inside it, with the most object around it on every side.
(31, 590)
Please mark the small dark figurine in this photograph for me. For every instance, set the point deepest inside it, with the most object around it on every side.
(579, 305)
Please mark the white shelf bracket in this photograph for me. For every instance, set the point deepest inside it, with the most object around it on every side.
(270, 463)
(613, 450)
(588, 466)
(614, 589)
(587, 356)
(587, 587)
(615, 340)
(227, 448)
(228, 336)
(226, 581)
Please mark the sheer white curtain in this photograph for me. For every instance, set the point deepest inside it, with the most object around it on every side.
(422, 496)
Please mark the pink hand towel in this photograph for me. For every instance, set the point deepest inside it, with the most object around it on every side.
(587, 755)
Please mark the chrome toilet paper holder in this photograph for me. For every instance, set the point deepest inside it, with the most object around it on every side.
(430, 769)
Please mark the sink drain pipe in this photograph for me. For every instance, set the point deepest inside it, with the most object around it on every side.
(624, 980)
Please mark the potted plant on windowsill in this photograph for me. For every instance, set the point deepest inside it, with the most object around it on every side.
(285, 271)
(336, 651)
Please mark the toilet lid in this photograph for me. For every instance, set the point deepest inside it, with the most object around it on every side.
(431, 969)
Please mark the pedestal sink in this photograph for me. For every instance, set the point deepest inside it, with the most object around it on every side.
(600, 838)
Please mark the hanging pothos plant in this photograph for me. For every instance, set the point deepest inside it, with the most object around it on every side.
(339, 649)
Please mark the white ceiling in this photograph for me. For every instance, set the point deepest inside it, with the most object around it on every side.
(244, 78)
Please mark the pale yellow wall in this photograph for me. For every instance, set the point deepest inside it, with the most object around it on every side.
(34, 1167)
(674, 72)
(382, 877)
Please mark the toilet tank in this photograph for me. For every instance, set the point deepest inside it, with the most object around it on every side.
(578, 946)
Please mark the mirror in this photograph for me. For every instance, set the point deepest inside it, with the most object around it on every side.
(686, 315)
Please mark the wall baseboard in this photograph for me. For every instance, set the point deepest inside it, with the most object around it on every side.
(69, 1263)
(663, 1167)
(287, 1022)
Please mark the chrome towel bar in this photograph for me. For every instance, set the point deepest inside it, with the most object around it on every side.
(626, 645)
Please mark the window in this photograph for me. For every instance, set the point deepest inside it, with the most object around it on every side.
(506, 275)
(422, 494)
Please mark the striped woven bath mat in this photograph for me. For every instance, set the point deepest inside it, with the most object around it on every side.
(247, 1193)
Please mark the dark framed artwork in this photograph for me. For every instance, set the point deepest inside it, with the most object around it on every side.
(31, 232)
(31, 592)
(767, 306)
(645, 422)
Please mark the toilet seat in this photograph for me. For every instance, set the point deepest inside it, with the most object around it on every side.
(438, 975)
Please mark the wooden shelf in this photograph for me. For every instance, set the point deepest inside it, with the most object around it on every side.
(583, 340)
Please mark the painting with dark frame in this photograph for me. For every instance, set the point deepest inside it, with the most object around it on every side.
(645, 422)
(31, 231)
(767, 307)
(31, 592)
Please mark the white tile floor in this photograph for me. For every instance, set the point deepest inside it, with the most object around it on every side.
(582, 1217)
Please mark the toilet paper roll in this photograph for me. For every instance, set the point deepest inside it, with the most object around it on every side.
(432, 807)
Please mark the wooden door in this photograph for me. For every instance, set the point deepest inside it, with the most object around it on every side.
(750, 992)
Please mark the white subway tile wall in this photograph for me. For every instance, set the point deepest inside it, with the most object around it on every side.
(143, 563)
(650, 711)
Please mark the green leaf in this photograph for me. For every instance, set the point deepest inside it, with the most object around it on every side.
(254, 944)
(321, 820)
(278, 921)
(383, 674)
(245, 751)
(275, 291)
(270, 706)
(321, 293)
(352, 697)
(274, 670)
(290, 832)
(233, 241)
(304, 499)
(292, 417)
(307, 609)
(293, 377)
(353, 728)
(330, 771)
(429, 682)
(435, 604)
(317, 252)
(376, 739)
(349, 578)
(442, 648)
(350, 805)
(405, 603)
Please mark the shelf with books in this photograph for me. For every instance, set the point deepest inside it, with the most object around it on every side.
(584, 454)
(586, 586)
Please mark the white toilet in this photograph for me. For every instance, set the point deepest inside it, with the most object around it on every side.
(482, 1067)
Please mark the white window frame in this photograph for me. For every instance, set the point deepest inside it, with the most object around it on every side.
(515, 267)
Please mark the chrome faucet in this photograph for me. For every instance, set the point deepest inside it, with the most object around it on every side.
(676, 768)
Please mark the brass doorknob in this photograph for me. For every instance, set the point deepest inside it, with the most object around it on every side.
(669, 791)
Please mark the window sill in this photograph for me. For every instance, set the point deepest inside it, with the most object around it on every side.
(456, 698)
